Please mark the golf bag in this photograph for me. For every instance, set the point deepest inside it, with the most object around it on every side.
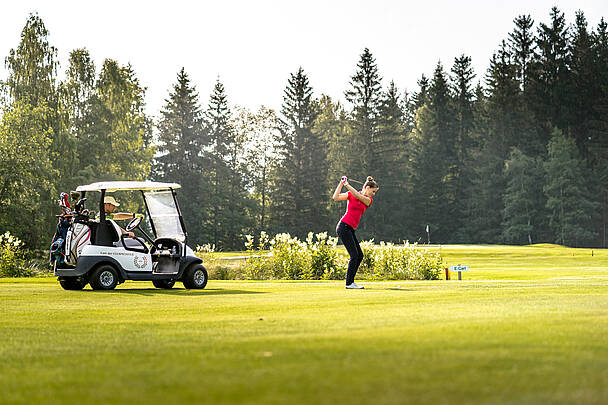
(72, 234)
(57, 256)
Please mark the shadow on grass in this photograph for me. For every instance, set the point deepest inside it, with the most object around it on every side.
(178, 291)
(398, 289)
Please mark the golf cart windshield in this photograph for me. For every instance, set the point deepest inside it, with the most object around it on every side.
(164, 215)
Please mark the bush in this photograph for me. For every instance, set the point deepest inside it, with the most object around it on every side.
(216, 269)
(407, 262)
(12, 257)
(318, 259)
(292, 259)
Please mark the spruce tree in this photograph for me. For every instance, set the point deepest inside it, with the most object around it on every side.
(461, 83)
(500, 133)
(598, 129)
(389, 215)
(435, 161)
(571, 208)
(585, 91)
(365, 95)
(221, 135)
(522, 45)
(181, 156)
(301, 169)
(524, 199)
(334, 126)
(420, 98)
(551, 75)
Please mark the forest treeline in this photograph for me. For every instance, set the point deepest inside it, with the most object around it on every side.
(517, 154)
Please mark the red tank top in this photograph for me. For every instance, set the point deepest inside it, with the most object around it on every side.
(354, 210)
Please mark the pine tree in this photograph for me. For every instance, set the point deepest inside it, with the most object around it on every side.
(420, 98)
(585, 90)
(598, 129)
(571, 209)
(389, 215)
(365, 95)
(461, 83)
(221, 136)
(302, 165)
(334, 126)
(435, 161)
(524, 198)
(181, 159)
(551, 75)
(522, 51)
(500, 134)
(462, 87)
(522, 46)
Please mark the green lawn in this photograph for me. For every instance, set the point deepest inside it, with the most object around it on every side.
(527, 325)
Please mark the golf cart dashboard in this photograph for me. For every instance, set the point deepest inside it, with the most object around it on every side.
(165, 247)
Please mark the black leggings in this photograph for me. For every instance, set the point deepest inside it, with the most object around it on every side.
(347, 235)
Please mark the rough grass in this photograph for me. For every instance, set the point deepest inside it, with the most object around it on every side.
(527, 325)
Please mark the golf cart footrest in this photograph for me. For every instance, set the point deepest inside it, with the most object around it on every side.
(165, 265)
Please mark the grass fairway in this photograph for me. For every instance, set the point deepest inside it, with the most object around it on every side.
(528, 325)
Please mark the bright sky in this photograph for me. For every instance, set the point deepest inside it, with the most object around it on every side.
(253, 46)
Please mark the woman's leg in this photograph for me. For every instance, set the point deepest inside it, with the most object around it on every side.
(347, 236)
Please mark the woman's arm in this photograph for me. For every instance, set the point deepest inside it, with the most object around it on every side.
(365, 200)
(337, 195)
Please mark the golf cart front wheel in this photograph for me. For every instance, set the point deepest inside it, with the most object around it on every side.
(73, 283)
(104, 277)
(166, 284)
(195, 277)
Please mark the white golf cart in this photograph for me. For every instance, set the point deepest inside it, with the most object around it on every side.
(96, 251)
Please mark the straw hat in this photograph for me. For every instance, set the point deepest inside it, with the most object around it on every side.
(110, 200)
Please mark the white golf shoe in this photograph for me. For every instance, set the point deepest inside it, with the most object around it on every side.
(354, 286)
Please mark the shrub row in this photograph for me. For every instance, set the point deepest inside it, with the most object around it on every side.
(317, 258)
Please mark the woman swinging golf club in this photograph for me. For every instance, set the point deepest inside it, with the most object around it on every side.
(357, 203)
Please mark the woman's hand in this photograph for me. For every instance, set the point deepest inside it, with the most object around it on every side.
(338, 196)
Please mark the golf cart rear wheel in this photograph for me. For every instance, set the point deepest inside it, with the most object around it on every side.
(104, 277)
(163, 283)
(195, 277)
(73, 283)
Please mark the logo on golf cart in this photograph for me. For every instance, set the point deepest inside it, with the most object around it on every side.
(140, 261)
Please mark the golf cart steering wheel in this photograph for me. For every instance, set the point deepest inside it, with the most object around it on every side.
(133, 224)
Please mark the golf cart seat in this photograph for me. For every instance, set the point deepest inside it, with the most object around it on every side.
(130, 243)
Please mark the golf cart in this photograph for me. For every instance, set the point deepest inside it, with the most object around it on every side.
(95, 251)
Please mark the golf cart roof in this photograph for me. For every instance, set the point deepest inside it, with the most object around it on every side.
(127, 185)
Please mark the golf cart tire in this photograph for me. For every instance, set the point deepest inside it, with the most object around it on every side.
(73, 283)
(195, 277)
(166, 284)
(104, 277)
